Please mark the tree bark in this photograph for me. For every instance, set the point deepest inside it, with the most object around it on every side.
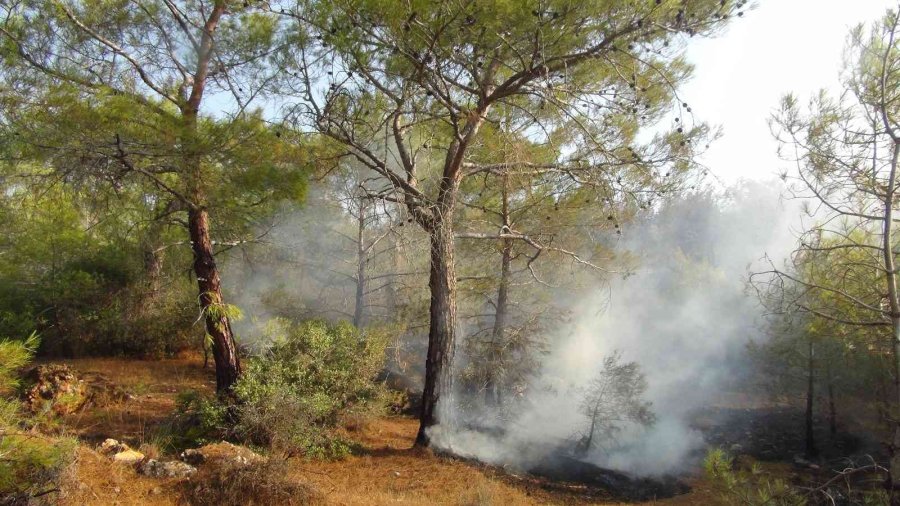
(441, 332)
(494, 381)
(894, 302)
(153, 264)
(209, 284)
(498, 333)
(361, 258)
(442, 284)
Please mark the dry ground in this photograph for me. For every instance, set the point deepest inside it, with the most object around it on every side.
(385, 471)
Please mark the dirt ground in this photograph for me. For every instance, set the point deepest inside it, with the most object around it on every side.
(387, 470)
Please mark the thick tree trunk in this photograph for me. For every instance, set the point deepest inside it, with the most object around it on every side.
(810, 436)
(441, 332)
(228, 366)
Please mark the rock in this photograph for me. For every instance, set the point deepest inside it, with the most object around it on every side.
(110, 447)
(736, 448)
(193, 457)
(120, 452)
(128, 456)
(169, 469)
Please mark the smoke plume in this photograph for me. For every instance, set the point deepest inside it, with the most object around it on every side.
(684, 316)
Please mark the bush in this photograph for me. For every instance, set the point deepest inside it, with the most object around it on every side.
(30, 463)
(314, 376)
(751, 487)
(197, 420)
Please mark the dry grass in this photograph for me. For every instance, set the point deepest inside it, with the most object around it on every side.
(154, 384)
(389, 471)
(264, 483)
(96, 481)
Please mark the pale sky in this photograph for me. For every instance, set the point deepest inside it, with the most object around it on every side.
(781, 46)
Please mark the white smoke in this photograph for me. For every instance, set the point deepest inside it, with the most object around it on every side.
(685, 316)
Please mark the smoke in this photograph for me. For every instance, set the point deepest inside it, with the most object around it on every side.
(685, 317)
(302, 269)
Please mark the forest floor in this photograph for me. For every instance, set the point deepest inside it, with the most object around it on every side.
(384, 470)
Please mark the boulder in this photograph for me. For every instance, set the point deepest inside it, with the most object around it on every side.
(110, 447)
(168, 469)
(120, 452)
(128, 456)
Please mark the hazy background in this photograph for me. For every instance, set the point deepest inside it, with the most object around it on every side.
(780, 46)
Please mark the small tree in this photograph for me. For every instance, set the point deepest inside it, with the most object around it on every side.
(613, 398)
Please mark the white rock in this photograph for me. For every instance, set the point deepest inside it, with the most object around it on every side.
(128, 456)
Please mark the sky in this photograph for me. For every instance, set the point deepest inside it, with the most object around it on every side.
(781, 46)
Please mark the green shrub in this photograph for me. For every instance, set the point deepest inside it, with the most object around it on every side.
(314, 376)
(30, 463)
(292, 398)
(751, 487)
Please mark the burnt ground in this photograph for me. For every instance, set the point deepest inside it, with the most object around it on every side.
(776, 433)
(619, 486)
(771, 434)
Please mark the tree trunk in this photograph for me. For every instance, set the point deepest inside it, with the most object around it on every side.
(441, 332)
(153, 263)
(224, 351)
(361, 258)
(498, 334)
(810, 437)
(495, 369)
(894, 302)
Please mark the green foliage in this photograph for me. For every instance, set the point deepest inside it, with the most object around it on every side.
(197, 420)
(614, 397)
(80, 280)
(30, 463)
(751, 487)
(314, 375)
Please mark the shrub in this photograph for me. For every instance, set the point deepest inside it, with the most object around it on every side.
(30, 463)
(751, 487)
(314, 376)
(197, 420)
